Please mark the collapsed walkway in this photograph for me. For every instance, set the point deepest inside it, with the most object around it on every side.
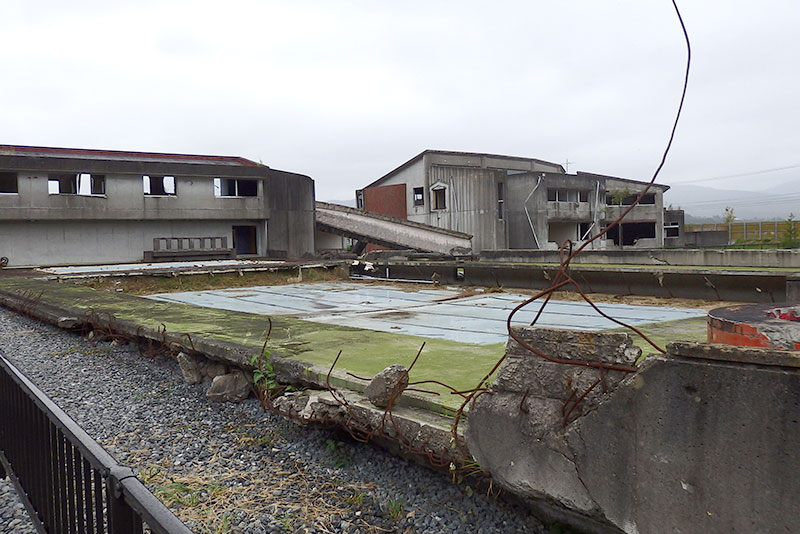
(390, 231)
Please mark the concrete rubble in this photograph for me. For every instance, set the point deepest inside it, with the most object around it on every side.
(197, 368)
(231, 387)
(387, 385)
(701, 439)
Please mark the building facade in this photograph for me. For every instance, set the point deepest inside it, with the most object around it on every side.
(516, 203)
(73, 206)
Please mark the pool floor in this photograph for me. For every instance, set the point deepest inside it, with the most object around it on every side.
(432, 313)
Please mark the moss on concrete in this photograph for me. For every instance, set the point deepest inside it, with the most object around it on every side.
(364, 352)
(693, 329)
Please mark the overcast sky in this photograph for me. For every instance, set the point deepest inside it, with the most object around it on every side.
(346, 91)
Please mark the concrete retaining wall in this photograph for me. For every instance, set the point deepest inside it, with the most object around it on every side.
(702, 439)
(736, 286)
(789, 258)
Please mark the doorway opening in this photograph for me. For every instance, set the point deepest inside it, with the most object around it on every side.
(244, 240)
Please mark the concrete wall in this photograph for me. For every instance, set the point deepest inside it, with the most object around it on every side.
(731, 286)
(705, 238)
(28, 243)
(702, 439)
(328, 241)
(789, 258)
(291, 226)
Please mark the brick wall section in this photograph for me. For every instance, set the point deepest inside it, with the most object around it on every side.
(386, 200)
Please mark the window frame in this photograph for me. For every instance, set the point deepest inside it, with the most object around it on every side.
(218, 187)
(439, 193)
(147, 185)
(418, 196)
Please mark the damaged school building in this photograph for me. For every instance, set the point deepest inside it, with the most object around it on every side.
(80, 205)
(509, 202)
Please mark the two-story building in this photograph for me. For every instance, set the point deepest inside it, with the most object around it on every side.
(516, 203)
(73, 206)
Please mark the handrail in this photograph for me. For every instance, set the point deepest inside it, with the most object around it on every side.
(65, 479)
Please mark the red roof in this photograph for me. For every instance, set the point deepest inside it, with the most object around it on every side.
(120, 155)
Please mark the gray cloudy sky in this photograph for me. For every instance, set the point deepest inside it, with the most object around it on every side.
(347, 90)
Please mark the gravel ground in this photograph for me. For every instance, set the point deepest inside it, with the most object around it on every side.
(232, 467)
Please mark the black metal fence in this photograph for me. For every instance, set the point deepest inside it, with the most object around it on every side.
(68, 483)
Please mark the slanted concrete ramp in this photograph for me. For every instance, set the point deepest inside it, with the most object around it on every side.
(390, 231)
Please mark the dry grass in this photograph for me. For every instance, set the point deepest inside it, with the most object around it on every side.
(149, 285)
(213, 496)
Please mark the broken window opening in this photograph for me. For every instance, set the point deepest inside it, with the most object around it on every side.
(632, 232)
(648, 199)
(158, 185)
(360, 199)
(83, 184)
(9, 182)
(583, 230)
(419, 196)
(232, 187)
(439, 199)
(97, 184)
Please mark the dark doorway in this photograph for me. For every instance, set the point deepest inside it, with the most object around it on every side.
(244, 240)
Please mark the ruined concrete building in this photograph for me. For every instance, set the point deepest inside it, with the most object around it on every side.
(62, 206)
(516, 203)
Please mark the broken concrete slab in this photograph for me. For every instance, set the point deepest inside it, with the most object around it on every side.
(701, 440)
(414, 432)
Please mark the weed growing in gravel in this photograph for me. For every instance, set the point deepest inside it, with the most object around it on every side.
(251, 435)
(340, 455)
(356, 500)
(178, 493)
(74, 349)
(394, 507)
(287, 520)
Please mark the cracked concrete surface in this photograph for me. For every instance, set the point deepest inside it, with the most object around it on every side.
(701, 439)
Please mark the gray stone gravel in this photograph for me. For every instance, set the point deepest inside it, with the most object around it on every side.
(13, 516)
(233, 467)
